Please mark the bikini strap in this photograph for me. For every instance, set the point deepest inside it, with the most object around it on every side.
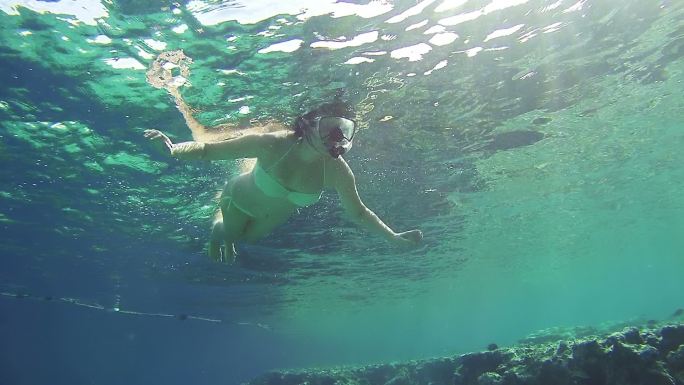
(285, 154)
(282, 157)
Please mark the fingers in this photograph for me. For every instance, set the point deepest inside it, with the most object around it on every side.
(412, 237)
(153, 134)
(158, 135)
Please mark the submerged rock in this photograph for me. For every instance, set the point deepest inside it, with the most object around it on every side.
(633, 356)
(671, 337)
(675, 359)
(489, 378)
(632, 336)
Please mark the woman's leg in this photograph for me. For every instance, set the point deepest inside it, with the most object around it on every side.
(260, 227)
(228, 227)
(216, 236)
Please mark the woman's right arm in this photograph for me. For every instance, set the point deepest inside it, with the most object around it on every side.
(246, 146)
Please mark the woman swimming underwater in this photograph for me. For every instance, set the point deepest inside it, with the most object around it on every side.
(292, 169)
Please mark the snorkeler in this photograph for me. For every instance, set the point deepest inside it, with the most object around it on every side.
(292, 169)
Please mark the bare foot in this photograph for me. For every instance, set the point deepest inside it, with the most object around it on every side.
(216, 240)
(222, 254)
(229, 254)
(216, 249)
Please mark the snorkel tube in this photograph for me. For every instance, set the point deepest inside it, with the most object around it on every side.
(336, 151)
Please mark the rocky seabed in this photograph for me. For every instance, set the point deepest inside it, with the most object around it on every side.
(633, 356)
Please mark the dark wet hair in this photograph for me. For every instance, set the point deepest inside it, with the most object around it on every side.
(336, 108)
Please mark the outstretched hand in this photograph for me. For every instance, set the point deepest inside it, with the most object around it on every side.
(159, 139)
(409, 238)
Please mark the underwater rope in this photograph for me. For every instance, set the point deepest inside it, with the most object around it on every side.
(117, 309)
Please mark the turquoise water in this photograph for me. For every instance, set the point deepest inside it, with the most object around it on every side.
(537, 144)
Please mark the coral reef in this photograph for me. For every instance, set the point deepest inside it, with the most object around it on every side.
(646, 355)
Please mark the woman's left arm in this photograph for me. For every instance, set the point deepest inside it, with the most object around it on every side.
(345, 184)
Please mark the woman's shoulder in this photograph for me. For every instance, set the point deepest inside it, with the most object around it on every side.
(274, 139)
(271, 129)
(338, 168)
(283, 135)
(282, 140)
(278, 137)
(279, 142)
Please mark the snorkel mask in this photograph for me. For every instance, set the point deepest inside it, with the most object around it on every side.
(336, 132)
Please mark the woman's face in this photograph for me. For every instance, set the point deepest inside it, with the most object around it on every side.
(332, 134)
